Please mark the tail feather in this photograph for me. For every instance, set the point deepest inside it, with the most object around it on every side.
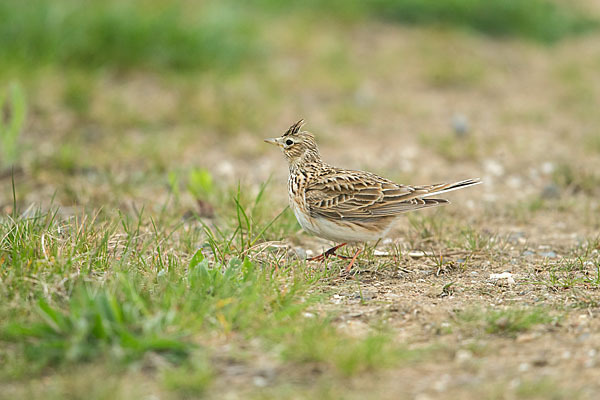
(434, 190)
(426, 203)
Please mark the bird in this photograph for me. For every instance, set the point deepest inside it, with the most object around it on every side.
(347, 206)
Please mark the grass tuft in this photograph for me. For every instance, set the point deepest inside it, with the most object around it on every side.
(576, 179)
(506, 322)
(318, 342)
(98, 323)
(191, 379)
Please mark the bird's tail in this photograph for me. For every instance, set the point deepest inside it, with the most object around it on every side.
(434, 190)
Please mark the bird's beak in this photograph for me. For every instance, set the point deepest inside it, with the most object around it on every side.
(273, 141)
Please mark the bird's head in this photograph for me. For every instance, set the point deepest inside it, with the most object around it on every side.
(297, 146)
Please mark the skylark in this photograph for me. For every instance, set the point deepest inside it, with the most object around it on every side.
(344, 205)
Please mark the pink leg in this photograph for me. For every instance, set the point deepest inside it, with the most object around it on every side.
(352, 262)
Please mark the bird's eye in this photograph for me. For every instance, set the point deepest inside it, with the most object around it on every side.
(289, 142)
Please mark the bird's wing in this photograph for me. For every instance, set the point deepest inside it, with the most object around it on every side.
(356, 195)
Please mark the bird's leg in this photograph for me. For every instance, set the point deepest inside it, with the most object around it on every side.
(353, 259)
(328, 253)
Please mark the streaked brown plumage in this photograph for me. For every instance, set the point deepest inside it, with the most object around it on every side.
(346, 205)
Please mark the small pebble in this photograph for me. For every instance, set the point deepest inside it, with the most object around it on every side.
(547, 168)
(592, 353)
(381, 253)
(259, 381)
(442, 383)
(548, 254)
(462, 356)
(460, 125)
(493, 167)
(515, 236)
(524, 367)
(505, 275)
(514, 182)
(583, 337)
(526, 337)
(550, 191)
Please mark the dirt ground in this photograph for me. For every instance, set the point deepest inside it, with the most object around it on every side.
(423, 301)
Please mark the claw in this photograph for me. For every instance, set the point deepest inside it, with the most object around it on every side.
(329, 253)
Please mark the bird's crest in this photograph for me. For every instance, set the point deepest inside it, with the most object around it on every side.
(294, 129)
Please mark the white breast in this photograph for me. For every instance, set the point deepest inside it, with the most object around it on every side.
(303, 218)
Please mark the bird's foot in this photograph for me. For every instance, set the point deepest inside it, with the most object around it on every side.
(331, 252)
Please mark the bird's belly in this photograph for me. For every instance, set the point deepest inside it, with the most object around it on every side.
(344, 231)
(337, 231)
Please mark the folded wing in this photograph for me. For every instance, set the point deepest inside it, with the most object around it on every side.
(360, 196)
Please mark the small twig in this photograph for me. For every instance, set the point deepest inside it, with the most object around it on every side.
(263, 246)
(44, 246)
